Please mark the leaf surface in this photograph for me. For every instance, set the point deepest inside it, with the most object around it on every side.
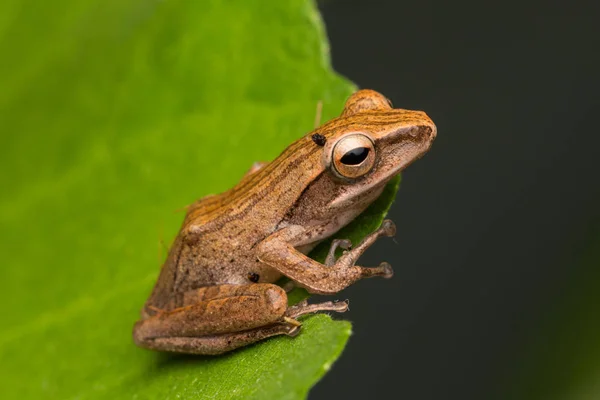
(114, 115)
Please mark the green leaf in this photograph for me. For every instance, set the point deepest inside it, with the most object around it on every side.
(114, 115)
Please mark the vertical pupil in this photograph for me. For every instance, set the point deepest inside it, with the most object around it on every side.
(355, 156)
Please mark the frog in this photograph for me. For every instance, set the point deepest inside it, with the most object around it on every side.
(217, 291)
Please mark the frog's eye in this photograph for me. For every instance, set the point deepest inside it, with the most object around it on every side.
(353, 155)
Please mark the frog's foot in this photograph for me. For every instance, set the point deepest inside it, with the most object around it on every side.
(347, 260)
(344, 244)
(304, 308)
(384, 270)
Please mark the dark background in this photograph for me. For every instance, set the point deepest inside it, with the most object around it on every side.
(491, 220)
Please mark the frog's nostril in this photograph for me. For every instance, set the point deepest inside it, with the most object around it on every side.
(429, 131)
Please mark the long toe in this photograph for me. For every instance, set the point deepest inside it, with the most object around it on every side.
(389, 227)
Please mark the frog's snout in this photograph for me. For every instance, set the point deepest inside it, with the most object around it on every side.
(427, 127)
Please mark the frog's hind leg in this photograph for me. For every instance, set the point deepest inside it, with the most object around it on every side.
(217, 344)
(215, 319)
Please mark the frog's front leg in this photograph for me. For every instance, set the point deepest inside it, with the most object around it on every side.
(279, 252)
(217, 319)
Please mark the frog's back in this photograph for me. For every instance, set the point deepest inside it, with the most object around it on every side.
(219, 234)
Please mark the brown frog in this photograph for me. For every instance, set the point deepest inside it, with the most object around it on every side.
(216, 290)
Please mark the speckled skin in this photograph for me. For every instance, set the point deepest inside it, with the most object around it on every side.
(215, 291)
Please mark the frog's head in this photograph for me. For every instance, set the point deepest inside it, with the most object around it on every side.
(371, 142)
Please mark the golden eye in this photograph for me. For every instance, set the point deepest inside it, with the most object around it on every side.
(353, 155)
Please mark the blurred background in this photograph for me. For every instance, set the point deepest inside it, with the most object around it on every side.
(496, 289)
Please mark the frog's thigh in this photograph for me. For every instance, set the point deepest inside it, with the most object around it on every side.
(233, 309)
